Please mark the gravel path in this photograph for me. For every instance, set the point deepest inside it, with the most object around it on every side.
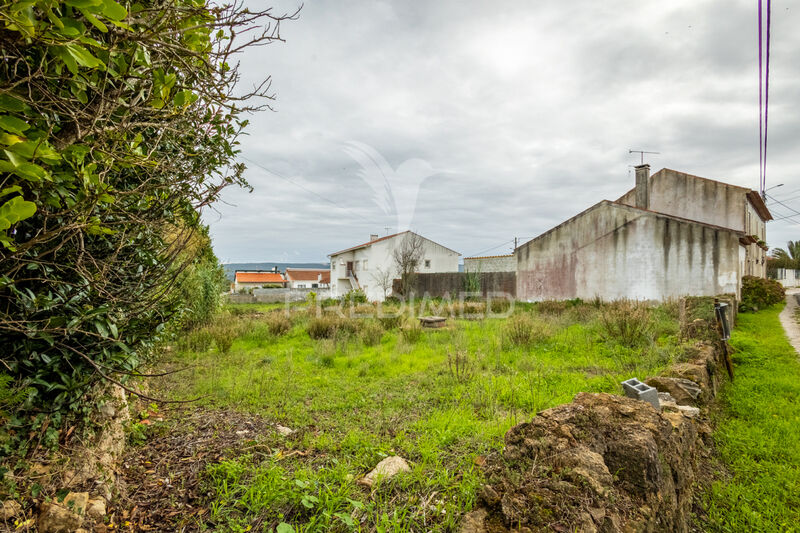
(788, 320)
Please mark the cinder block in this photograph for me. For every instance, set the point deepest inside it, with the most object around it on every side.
(641, 391)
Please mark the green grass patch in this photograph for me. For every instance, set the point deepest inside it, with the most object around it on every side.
(758, 432)
(440, 398)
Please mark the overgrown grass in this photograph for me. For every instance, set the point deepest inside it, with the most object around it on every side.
(758, 432)
(441, 398)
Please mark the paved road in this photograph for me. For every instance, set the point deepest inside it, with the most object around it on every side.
(788, 320)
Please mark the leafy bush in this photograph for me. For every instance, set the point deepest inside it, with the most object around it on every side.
(627, 322)
(371, 333)
(118, 128)
(524, 330)
(355, 296)
(760, 293)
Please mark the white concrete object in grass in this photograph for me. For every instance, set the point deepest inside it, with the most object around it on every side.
(641, 391)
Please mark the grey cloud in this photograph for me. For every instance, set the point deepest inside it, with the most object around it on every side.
(527, 108)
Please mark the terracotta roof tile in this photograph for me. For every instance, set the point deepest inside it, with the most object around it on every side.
(259, 277)
(306, 274)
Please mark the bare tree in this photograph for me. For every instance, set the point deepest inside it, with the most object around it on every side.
(406, 259)
(384, 279)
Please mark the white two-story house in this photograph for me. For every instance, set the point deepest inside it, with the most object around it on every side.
(371, 266)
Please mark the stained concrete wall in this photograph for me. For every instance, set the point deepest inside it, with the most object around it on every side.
(495, 263)
(686, 196)
(615, 251)
(713, 202)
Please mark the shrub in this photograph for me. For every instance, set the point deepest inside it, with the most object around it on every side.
(524, 330)
(411, 333)
(500, 306)
(278, 324)
(329, 326)
(197, 340)
(224, 333)
(355, 296)
(390, 322)
(552, 307)
(371, 333)
(759, 293)
(322, 327)
(627, 322)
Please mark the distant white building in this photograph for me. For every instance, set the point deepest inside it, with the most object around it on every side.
(308, 278)
(491, 263)
(371, 266)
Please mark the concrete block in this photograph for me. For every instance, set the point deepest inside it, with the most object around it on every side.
(641, 391)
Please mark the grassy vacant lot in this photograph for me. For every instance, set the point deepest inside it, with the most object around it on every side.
(758, 432)
(364, 389)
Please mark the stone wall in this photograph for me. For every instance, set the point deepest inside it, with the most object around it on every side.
(263, 296)
(453, 285)
(606, 463)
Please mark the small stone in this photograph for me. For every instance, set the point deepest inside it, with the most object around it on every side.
(283, 430)
(56, 519)
(688, 410)
(474, 522)
(388, 468)
(96, 509)
(9, 510)
(107, 410)
(76, 502)
(242, 432)
(490, 496)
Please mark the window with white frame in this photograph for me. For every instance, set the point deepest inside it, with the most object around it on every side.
(427, 263)
(358, 266)
(364, 264)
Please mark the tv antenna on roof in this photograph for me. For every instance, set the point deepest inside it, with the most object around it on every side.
(641, 153)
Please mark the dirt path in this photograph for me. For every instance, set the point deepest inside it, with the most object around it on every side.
(788, 320)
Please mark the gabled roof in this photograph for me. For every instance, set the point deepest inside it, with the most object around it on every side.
(259, 277)
(630, 207)
(370, 243)
(755, 199)
(305, 274)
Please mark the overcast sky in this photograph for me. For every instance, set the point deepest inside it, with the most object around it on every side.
(506, 119)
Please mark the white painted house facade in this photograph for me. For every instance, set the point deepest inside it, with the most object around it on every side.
(371, 266)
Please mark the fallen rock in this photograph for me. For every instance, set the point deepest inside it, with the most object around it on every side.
(388, 468)
(96, 509)
(10, 509)
(684, 391)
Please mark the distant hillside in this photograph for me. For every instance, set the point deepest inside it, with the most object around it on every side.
(230, 268)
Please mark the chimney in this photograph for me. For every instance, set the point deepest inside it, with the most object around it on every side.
(642, 186)
(373, 237)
